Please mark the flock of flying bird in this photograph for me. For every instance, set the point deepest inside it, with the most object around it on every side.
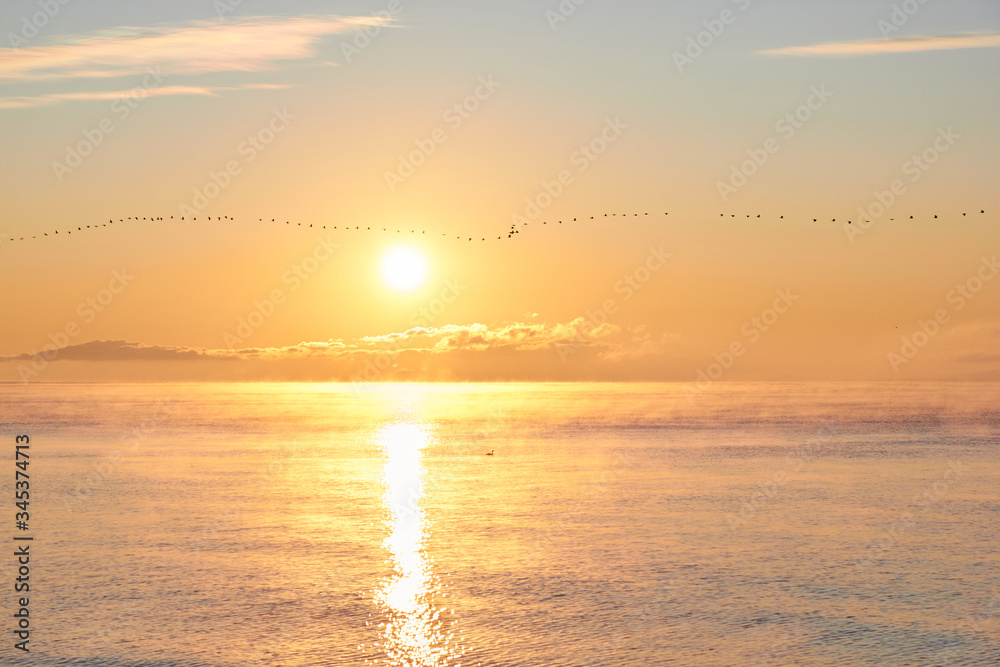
(510, 232)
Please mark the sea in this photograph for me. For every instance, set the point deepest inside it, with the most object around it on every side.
(502, 525)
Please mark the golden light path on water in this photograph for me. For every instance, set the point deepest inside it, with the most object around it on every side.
(413, 633)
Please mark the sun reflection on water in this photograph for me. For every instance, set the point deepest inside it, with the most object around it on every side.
(413, 633)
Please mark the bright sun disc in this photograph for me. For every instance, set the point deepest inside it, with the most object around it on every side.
(404, 269)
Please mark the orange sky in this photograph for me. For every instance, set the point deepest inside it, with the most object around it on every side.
(453, 123)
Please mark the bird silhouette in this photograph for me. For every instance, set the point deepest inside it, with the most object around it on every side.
(514, 229)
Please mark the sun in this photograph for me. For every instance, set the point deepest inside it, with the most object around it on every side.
(404, 269)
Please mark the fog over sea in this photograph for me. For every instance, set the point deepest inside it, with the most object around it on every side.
(308, 525)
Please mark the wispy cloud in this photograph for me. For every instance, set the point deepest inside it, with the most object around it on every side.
(979, 40)
(249, 45)
(55, 98)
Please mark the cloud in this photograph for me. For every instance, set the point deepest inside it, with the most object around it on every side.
(885, 46)
(120, 350)
(609, 341)
(478, 337)
(248, 45)
(55, 98)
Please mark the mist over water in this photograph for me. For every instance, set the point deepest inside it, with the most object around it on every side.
(223, 525)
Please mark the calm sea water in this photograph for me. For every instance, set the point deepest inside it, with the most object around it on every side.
(183, 525)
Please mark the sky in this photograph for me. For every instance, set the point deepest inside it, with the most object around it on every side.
(632, 146)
